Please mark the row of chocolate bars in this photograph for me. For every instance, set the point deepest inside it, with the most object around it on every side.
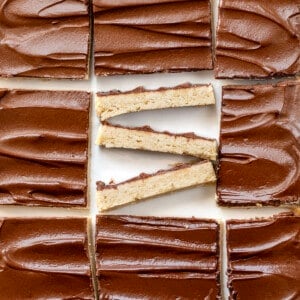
(149, 258)
(54, 39)
(44, 146)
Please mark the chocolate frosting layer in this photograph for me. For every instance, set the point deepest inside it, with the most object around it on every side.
(46, 38)
(44, 259)
(266, 264)
(43, 147)
(155, 258)
(258, 38)
(151, 36)
(260, 145)
(146, 128)
(142, 89)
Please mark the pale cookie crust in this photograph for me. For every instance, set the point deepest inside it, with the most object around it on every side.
(145, 138)
(150, 185)
(116, 103)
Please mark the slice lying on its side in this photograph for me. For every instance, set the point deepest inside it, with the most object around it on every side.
(145, 138)
(149, 185)
(115, 103)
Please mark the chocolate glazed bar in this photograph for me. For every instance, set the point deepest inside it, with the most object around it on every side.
(47, 38)
(258, 38)
(260, 145)
(43, 148)
(147, 36)
(44, 259)
(157, 258)
(264, 258)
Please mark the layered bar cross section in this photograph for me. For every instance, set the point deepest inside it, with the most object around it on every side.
(145, 186)
(114, 103)
(145, 138)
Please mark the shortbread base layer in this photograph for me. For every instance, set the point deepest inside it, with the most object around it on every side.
(149, 185)
(144, 138)
(112, 104)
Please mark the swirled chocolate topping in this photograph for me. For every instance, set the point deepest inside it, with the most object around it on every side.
(260, 145)
(264, 258)
(43, 147)
(46, 38)
(157, 258)
(139, 36)
(44, 259)
(258, 39)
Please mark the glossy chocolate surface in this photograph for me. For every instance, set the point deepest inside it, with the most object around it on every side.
(155, 258)
(47, 38)
(138, 36)
(142, 89)
(260, 145)
(43, 147)
(258, 38)
(264, 258)
(44, 259)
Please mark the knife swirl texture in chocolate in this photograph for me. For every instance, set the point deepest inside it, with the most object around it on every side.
(264, 258)
(43, 147)
(46, 38)
(44, 259)
(260, 145)
(138, 36)
(257, 39)
(155, 258)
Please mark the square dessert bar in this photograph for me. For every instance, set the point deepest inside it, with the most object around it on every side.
(147, 36)
(264, 258)
(44, 38)
(258, 39)
(259, 161)
(44, 259)
(157, 258)
(44, 148)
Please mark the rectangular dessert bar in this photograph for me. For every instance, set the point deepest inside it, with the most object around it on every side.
(43, 148)
(258, 39)
(115, 103)
(260, 145)
(44, 259)
(264, 258)
(152, 36)
(145, 186)
(145, 138)
(44, 38)
(157, 258)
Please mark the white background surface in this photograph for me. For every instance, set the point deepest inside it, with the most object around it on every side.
(107, 164)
